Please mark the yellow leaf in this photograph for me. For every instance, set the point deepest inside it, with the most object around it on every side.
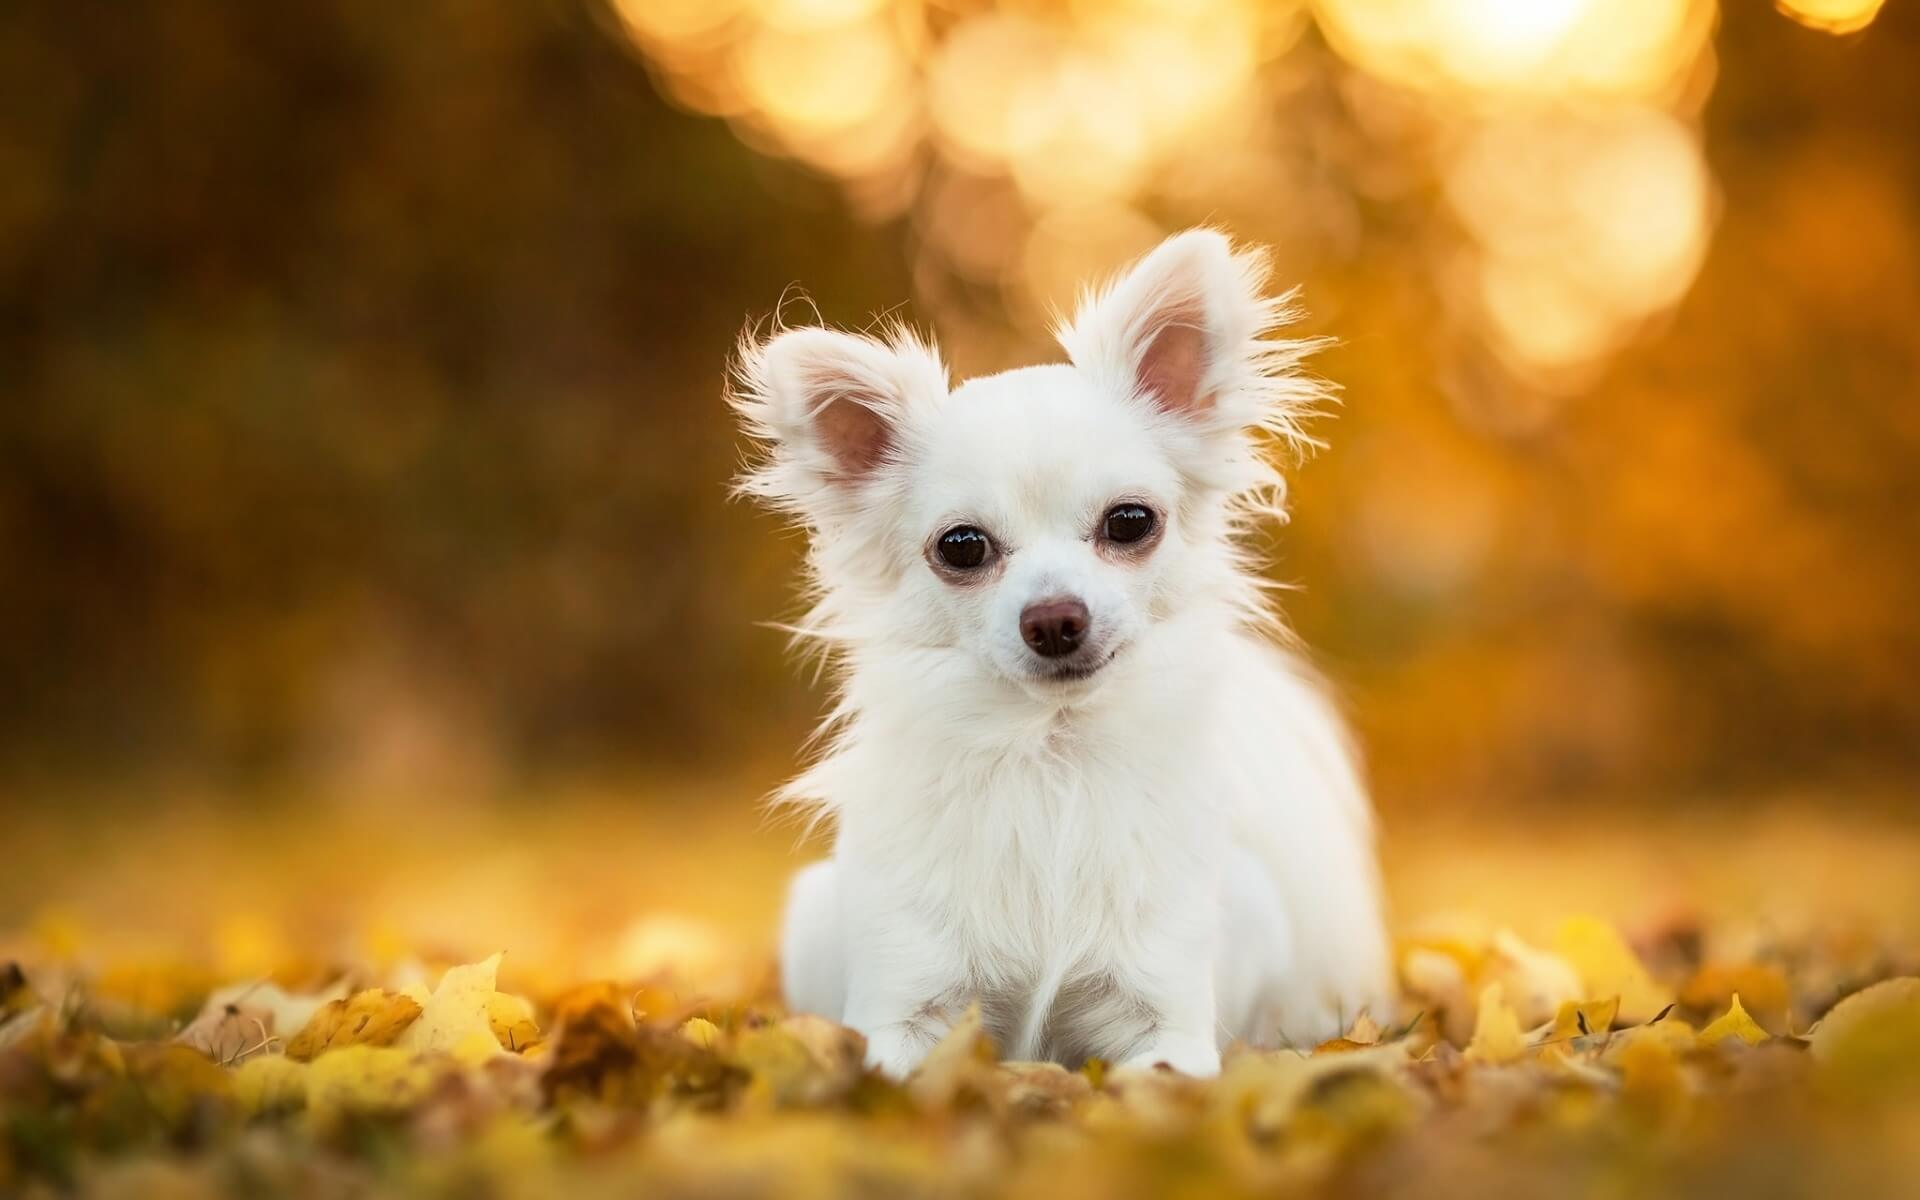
(1584, 1020)
(1734, 1023)
(701, 1032)
(476, 1046)
(365, 1079)
(511, 1018)
(1496, 1033)
(1762, 989)
(1870, 1042)
(270, 1083)
(456, 1011)
(1607, 966)
(369, 1018)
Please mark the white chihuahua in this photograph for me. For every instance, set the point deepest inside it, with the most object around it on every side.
(1074, 777)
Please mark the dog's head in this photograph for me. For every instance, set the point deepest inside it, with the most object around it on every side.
(1033, 526)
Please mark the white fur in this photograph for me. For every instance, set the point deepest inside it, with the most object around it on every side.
(1143, 864)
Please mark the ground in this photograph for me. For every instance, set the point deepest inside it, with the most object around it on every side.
(572, 994)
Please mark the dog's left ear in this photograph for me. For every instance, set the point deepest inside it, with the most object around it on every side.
(1181, 330)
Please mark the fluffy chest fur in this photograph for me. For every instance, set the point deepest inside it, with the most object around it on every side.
(1045, 852)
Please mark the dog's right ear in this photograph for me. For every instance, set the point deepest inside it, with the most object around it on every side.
(832, 410)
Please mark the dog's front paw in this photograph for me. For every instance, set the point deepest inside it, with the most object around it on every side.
(1197, 1057)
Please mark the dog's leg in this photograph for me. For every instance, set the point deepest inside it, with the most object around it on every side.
(905, 989)
(813, 957)
(1173, 978)
(1256, 954)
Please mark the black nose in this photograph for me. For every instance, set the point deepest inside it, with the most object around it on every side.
(1054, 627)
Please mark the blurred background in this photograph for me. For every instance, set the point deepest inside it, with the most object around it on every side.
(362, 434)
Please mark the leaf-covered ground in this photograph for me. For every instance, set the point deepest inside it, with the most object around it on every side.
(1681, 1049)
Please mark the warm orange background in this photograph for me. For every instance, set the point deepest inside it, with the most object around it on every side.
(363, 467)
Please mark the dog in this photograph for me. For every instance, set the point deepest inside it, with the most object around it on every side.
(1076, 775)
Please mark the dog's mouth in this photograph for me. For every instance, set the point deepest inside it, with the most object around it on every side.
(1078, 671)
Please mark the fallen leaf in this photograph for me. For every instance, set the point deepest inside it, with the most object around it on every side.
(1584, 1020)
(1869, 1044)
(1734, 1023)
(1496, 1032)
(456, 1019)
(270, 1084)
(1762, 989)
(366, 1079)
(1607, 966)
(512, 1020)
(229, 1034)
(369, 1018)
(250, 1018)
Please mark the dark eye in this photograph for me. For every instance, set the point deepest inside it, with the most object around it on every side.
(963, 547)
(1128, 523)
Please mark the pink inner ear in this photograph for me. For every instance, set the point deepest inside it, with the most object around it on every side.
(1171, 368)
(854, 435)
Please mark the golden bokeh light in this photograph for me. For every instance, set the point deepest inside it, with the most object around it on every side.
(1632, 48)
(814, 14)
(675, 22)
(976, 85)
(1584, 228)
(1833, 16)
(973, 222)
(822, 80)
(1071, 248)
(1078, 137)
(1561, 132)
